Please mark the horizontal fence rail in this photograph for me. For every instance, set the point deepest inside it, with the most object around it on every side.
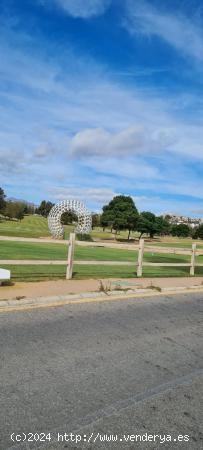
(192, 263)
(149, 247)
(34, 262)
(139, 264)
(63, 262)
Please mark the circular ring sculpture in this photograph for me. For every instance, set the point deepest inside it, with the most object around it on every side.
(84, 225)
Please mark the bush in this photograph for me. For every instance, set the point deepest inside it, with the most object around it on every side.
(181, 230)
(84, 237)
(198, 233)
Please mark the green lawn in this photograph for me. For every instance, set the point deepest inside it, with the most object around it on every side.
(186, 243)
(25, 250)
(34, 273)
(36, 226)
(29, 250)
(30, 226)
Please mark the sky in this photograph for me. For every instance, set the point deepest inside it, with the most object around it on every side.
(100, 98)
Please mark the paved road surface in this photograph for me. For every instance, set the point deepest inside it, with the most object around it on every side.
(124, 368)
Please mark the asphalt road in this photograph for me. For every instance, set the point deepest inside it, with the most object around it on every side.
(103, 371)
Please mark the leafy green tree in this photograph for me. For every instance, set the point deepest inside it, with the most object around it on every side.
(2, 200)
(151, 224)
(20, 211)
(147, 224)
(107, 217)
(68, 218)
(10, 210)
(44, 208)
(14, 210)
(163, 227)
(29, 208)
(121, 214)
(96, 220)
(181, 230)
(198, 233)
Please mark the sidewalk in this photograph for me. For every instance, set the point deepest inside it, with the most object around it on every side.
(65, 287)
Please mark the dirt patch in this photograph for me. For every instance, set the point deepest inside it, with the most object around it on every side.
(63, 287)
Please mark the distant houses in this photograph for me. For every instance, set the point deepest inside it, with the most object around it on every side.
(174, 219)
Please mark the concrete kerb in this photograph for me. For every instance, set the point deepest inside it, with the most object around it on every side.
(90, 297)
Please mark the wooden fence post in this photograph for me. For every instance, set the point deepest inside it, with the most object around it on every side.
(71, 248)
(192, 267)
(140, 257)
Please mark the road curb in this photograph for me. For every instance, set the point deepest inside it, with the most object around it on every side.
(91, 297)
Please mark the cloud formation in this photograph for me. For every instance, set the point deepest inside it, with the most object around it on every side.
(131, 141)
(81, 8)
(77, 127)
(98, 196)
(176, 29)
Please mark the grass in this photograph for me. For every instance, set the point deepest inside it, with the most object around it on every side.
(179, 244)
(28, 250)
(36, 226)
(34, 273)
(30, 226)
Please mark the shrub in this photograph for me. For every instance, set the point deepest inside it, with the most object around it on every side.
(84, 237)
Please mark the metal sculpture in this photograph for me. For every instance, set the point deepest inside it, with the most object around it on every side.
(84, 225)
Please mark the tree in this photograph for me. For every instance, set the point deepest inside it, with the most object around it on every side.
(96, 220)
(150, 224)
(198, 232)
(121, 214)
(163, 227)
(147, 224)
(68, 217)
(106, 219)
(181, 230)
(20, 212)
(29, 208)
(44, 208)
(14, 210)
(10, 210)
(2, 200)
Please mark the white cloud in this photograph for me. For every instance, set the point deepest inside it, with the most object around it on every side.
(134, 140)
(132, 169)
(13, 162)
(131, 141)
(89, 195)
(113, 119)
(95, 198)
(80, 8)
(176, 29)
(43, 151)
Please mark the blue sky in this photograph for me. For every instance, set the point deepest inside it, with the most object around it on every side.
(103, 97)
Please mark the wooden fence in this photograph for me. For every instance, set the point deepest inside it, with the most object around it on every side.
(138, 264)
(192, 264)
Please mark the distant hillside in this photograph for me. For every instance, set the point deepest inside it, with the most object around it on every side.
(30, 226)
